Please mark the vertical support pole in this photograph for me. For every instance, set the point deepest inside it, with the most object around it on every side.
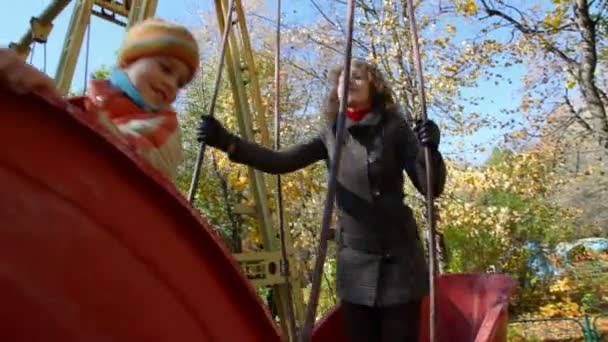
(294, 279)
(287, 302)
(211, 110)
(296, 295)
(140, 10)
(72, 44)
(256, 178)
(150, 8)
(243, 114)
(311, 308)
(259, 109)
(430, 206)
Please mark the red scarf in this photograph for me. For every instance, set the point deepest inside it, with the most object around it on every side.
(357, 114)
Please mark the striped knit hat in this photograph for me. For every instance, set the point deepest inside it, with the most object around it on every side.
(158, 37)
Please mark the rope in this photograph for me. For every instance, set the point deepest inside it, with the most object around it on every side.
(429, 177)
(311, 308)
(86, 58)
(218, 78)
(279, 196)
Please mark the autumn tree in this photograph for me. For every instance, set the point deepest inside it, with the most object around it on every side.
(562, 42)
(501, 217)
(382, 35)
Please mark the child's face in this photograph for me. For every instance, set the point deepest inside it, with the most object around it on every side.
(358, 89)
(158, 78)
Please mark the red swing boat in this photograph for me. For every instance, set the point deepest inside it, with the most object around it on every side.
(95, 245)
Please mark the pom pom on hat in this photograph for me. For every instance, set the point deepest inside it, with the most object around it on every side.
(158, 37)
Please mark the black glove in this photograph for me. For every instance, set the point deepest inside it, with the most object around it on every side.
(211, 132)
(428, 133)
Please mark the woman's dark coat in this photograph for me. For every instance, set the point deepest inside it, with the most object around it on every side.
(381, 260)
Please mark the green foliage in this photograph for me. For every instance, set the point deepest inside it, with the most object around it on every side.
(103, 73)
(502, 216)
(327, 298)
(498, 157)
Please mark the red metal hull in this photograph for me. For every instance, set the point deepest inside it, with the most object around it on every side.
(95, 246)
(470, 308)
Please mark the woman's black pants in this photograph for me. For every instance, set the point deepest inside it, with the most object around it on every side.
(399, 323)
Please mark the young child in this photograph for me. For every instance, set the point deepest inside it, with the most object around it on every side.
(156, 60)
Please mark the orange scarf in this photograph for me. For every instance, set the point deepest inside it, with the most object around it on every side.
(153, 135)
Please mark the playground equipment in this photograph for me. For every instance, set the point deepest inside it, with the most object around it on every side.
(71, 270)
(96, 244)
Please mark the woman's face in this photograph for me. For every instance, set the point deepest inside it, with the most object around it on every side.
(358, 89)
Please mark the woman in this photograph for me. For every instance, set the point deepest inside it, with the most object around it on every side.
(381, 267)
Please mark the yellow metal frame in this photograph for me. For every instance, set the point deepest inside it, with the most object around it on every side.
(131, 11)
(261, 268)
(72, 44)
(40, 28)
(239, 57)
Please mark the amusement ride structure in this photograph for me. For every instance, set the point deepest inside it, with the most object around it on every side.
(95, 245)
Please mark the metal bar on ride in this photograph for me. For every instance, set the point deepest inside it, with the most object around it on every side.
(256, 178)
(242, 96)
(47, 16)
(331, 188)
(279, 205)
(81, 16)
(429, 177)
(140, 10)
(216, 89)
(254, 88)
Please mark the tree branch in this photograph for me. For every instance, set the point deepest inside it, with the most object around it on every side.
(372, 38)
(603, 97)
(528, 31)
(306, 71)
(269, 20)
(325, 45)
(521, 15)
(236, 230)
(323, 14)
(576, 115)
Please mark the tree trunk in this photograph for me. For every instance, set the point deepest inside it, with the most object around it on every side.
(236, 242)
(586, 71)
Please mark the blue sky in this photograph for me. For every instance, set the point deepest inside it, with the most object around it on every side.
(106, 38)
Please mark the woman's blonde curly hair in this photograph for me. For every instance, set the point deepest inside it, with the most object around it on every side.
(381, 93)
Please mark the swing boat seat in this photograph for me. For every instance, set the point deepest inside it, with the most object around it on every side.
(470, 308)
(96, 245)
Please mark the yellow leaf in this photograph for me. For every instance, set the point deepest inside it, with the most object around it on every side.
(467, 7)
(470, 7)
(570, 84)
(451, 29)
